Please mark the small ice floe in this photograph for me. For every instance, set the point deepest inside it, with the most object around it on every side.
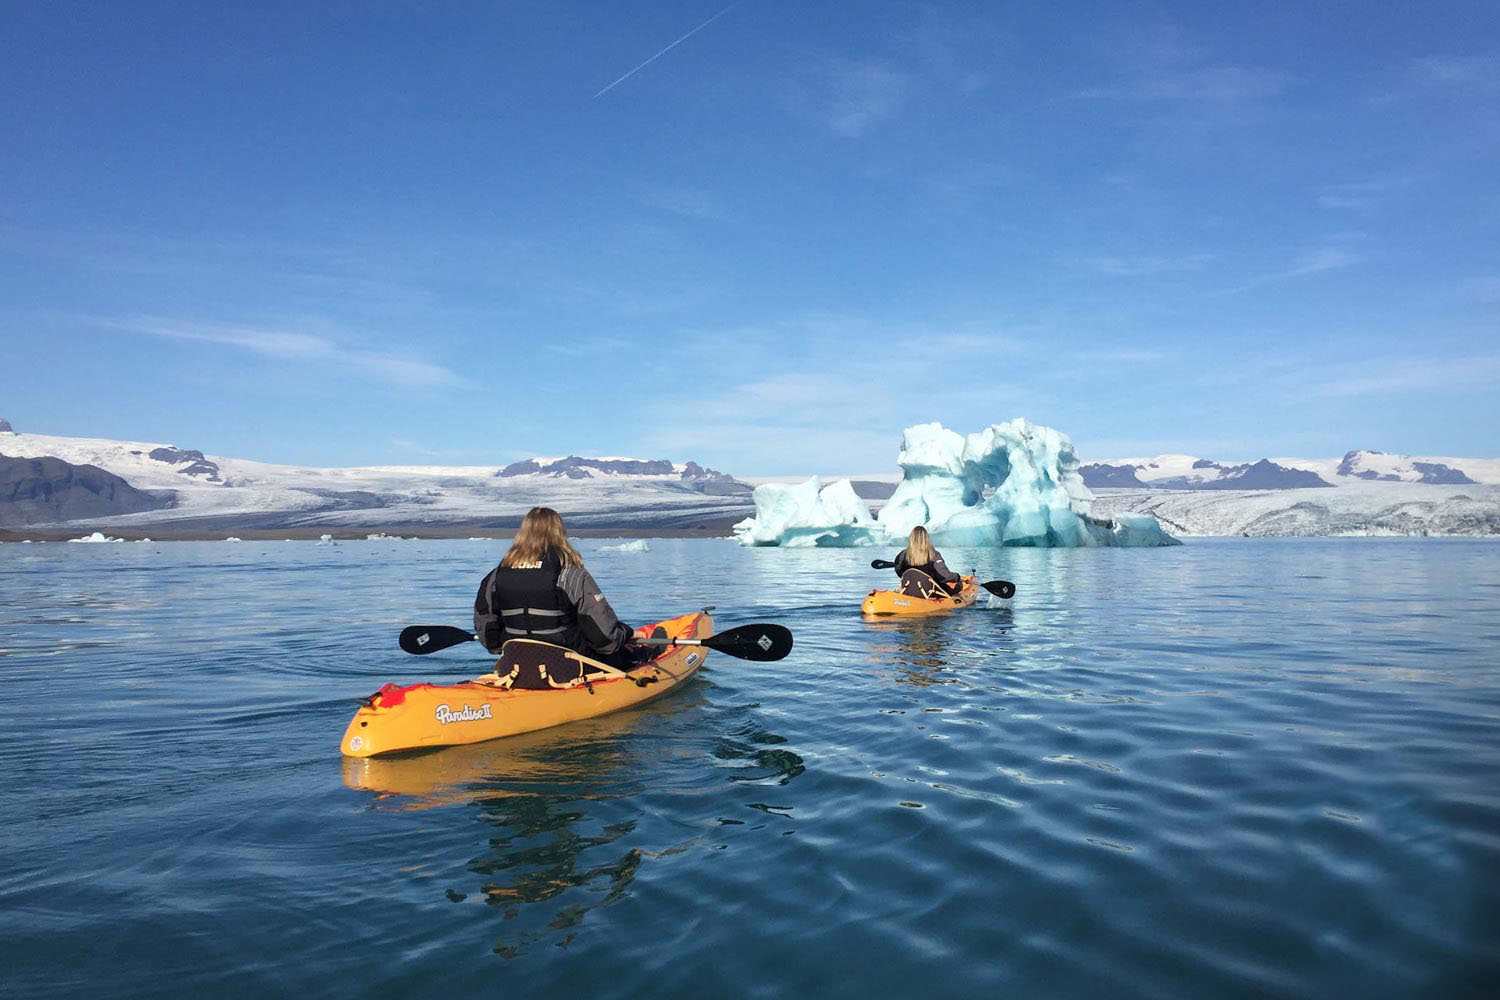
(639, 545)
(140, 541)
(231, 538)
(25, 541)
(96, 538)
(325, 539)
(381, 536)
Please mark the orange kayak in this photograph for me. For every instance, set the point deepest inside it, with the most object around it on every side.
(418, 716)
(893, 603)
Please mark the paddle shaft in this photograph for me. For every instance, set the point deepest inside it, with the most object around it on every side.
(747, 642)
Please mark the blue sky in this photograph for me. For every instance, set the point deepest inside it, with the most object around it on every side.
(390, 233)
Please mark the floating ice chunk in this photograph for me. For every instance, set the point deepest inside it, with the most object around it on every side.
(96, 538)
(231, 538)
(639, 545)
(807, 514)
(325, 539)
(1012, 484)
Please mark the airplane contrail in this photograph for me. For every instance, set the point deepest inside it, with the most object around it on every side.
(664, 51)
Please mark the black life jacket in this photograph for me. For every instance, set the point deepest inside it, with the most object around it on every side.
(527, 604)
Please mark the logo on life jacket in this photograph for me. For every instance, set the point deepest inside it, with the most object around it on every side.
(446, 715)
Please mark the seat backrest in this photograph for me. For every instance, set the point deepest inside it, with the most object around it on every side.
(530, 665)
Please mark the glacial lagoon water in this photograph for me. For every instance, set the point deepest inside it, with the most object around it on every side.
(1234, 768)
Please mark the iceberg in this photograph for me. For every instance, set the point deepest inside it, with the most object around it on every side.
(639, 545)
(96, 538)
(1011, 484)
(807, 514)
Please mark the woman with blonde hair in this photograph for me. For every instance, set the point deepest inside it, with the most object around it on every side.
(541, 590)
(922, 570)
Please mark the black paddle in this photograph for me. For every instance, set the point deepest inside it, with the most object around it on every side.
(1000, 588)
(762, 643)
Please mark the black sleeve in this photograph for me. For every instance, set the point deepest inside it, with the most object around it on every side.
(601, 629)
(944, 574)
(901, 564)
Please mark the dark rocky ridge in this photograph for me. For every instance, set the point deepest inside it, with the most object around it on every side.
(714, 483)
(197, 465)
(1442, 475)
(1101, 476)
(710, 482)
(1262, 475)
(576, 467)
(873, 489)
(1435, 473)
(48, 490)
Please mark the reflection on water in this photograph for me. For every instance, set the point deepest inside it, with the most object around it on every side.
(918, 651)
(581, 753)
(546, 803)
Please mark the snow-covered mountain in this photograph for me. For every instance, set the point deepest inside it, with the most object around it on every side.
(139, 485)
(575, 467)
(1184, 472)
(1377, 466)
(194, 491)
(1190, 472)
(1363, 493)
(1358, 508)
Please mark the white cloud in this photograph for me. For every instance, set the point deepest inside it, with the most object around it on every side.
(1398, 375)
(1482, 71)
(1359, 196)
(851, 97)
(1321, 259)
(690, 203)
(1141, 264)
(291, 345)
(1224, 84)
(1485, 289)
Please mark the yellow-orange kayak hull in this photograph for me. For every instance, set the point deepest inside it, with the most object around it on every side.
(420, 716)
(894, 604)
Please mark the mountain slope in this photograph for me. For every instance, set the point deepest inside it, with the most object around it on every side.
(213, 493)
(40, 490)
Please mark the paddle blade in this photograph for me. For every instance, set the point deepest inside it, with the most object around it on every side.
(1000, 588)
(882, 564)
(419, 640)
(761, 643)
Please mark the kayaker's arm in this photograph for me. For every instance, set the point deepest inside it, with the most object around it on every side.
(601, 628)
(945, 576)
(487, 627)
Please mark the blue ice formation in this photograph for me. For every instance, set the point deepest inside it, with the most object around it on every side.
(1015, 483)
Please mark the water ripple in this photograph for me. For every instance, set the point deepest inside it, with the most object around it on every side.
(1205, 771)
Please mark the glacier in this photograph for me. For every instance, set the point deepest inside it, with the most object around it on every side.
(1010, 484)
